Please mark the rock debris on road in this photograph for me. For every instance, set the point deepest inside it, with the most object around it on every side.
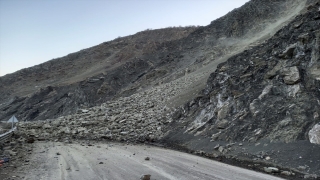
(119, 161)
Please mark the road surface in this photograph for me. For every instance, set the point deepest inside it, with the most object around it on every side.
(55, 161)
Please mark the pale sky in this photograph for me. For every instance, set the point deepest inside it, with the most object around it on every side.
(35, 31)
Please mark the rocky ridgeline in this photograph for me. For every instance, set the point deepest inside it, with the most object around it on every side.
(139, 117)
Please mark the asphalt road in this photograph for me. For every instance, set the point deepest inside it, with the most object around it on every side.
(55, 161)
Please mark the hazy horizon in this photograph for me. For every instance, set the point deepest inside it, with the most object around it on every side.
(33, 32)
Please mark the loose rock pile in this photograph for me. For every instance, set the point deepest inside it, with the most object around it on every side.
(140, 117)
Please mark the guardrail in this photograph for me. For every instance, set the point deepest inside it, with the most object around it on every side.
(7, 135)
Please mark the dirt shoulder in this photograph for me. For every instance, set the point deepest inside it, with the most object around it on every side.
(300, 158)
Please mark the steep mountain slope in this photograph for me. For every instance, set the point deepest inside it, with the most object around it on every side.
(127, 65)
(88, 77)
(265, 89)
(248, 84)
(88, 62)
(268, 95)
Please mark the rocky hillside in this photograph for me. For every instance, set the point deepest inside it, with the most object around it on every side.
(85, 78)
(270, 91)
(130, 64)
(268, 95)
(88, 62)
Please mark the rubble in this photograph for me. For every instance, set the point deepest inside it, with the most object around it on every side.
(139, 117)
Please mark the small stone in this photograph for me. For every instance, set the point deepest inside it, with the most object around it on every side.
(271, 169)
(217, 146)
(268, 158)
(58, 153)
(302, 168)
(145, 177)
(84, 110)
(287, 173)
(310, 176)
(221, 149)
(100, 162)
(147, 158)
(30, 140)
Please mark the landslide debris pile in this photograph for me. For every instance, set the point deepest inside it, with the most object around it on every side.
(126, 65)
(270, 92)
(139, 117)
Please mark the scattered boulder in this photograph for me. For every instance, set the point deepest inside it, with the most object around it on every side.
(84, 110)
(288, 53)
(314, 134)
(302, 168)
(315, 71)
(222, 124)
(271, 169)
(310, 176)
(30, 140)
(222, 150)
(145, 177)
(291, 75)
(287, 173)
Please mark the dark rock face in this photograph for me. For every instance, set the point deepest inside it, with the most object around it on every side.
(271, 91)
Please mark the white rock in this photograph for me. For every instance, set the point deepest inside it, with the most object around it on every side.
(270, 169)
(314, 134)
(84, 110)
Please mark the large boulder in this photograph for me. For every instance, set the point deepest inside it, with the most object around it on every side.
(291, 75)
(314, 134)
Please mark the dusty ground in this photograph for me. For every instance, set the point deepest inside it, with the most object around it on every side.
(54, 160)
